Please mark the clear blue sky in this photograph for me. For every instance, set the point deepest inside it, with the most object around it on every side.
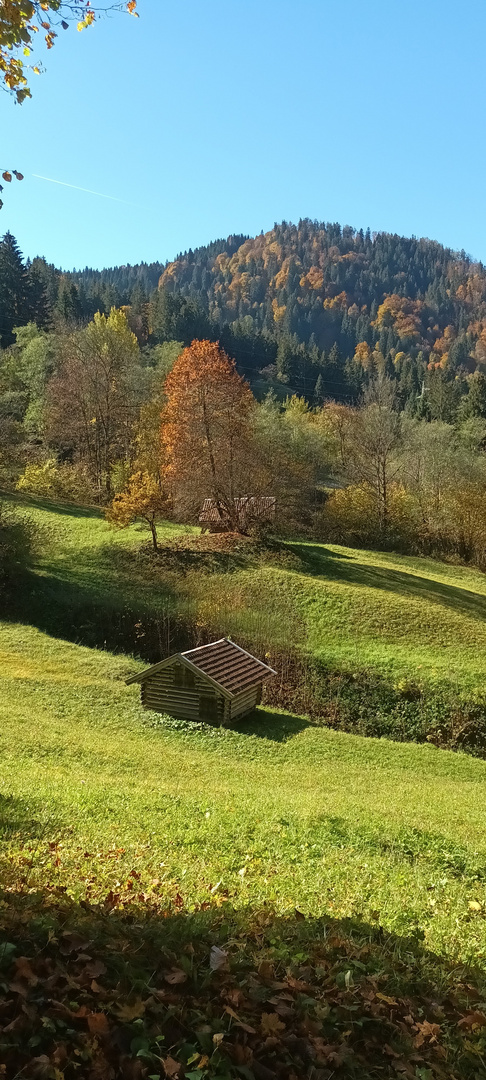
(212, 117)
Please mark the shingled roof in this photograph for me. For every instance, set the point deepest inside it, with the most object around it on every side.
(250, 508)
(227, 664)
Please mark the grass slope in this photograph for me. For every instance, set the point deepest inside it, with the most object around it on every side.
(278, 812)
(355, 866)
(407, 619)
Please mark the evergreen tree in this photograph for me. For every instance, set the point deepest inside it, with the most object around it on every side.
(319, 393)
(68, 307)
(14, 289)
(40, 307)
(474, 403)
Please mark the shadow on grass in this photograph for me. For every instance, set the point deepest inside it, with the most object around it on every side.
(73, 611)
(69, 509)
(19, 820)
(320, 562)
(278, 727)
(154, 989)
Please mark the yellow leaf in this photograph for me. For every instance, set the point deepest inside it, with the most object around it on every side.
(131, 1012)
(474, 906)
(389, 1000)
(271, 1025)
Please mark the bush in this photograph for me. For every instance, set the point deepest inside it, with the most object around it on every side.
(71, 483)
(367, 704)
(350, 516)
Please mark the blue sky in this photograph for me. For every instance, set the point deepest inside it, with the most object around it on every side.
(209, 118)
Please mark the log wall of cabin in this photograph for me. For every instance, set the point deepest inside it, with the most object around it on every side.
(160, 694)
(246, 701)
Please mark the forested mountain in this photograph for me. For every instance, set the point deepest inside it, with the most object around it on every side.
(313, 309)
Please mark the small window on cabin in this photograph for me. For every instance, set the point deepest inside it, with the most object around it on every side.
(183, 677)
(208, 708)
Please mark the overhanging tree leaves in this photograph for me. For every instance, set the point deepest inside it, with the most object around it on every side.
(21, 20)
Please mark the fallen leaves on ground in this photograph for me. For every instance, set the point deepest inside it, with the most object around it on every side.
(95, 994)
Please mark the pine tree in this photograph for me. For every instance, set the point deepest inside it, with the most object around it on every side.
(319, 393)
(14, 303)
(40, 307)
(68, 306)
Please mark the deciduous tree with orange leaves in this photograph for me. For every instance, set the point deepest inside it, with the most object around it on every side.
(207, 432)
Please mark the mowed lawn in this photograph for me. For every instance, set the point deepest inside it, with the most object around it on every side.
(279, 812)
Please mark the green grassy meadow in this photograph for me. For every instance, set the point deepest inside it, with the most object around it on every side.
(279, 811)
(280, 815)
(401, 617)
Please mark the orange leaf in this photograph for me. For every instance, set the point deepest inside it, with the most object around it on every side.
(171, 1067)
(98, 1023)
(246, 1027)
(474, 1019)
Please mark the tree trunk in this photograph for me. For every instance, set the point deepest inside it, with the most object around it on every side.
(153, 530)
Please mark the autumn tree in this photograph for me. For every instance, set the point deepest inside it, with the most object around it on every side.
(207, 439)
(141, 500)
(294, 455)
(374, 444)
(147, 438)
(94, 399)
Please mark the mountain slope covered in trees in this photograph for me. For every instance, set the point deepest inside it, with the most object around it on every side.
(311, 308)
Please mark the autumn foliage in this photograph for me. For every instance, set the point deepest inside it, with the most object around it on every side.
(207, 431)
(22, 20)
(141, 500)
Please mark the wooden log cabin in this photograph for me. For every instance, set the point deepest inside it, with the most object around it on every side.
(250, 510)
(216, 683)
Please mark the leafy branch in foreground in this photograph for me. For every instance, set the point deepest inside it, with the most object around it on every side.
(7, 176)
(21, 20)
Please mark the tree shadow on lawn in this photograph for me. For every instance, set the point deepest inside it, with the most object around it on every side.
(142, 987)
(18, 819)
(323, 563)
(69, 610)
(68, 509)
(278, 727)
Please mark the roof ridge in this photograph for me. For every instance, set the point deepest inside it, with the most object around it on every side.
(207, 646)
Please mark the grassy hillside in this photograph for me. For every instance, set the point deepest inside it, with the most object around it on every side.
(354, 867)
(145, 842)
(315, 819)
(406, 619)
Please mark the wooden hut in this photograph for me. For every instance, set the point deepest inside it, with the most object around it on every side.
(217, 683)
(250, 510)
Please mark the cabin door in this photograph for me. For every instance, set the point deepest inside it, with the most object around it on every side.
(208, 708)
